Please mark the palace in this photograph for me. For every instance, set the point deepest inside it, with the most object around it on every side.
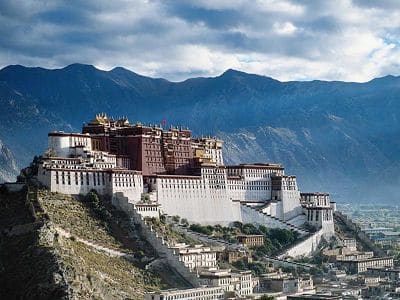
(168, 171)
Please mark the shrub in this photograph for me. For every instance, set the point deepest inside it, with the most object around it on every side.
(256, 267)
(162, 219)
(208, 230)
(94, 202)
(265, 297)
(184, 222)
(176, 219)
(250, 229)
(238, 224)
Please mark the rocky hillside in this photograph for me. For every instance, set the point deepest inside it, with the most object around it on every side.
(8, 163)
(336, 136)
(57, 247)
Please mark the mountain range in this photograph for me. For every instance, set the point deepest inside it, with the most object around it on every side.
(339, 137)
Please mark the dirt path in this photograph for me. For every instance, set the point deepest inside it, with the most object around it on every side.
(111, 252)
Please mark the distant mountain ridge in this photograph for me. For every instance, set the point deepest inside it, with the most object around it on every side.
(339, 137)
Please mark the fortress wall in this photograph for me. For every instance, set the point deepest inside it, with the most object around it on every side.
(75, 182)
(329, 229)
(305, 247)
(250, 215)
(156, 241)
(62, 144)
(291, 206)
(274, 208)
(196, 201)
(131, 186)
(249, 190)
(235, 190)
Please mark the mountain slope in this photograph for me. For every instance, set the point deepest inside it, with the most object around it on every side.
(336, 136)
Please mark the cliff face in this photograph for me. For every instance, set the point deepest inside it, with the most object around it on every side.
(8, 164)
(335, 136)
(54, 247)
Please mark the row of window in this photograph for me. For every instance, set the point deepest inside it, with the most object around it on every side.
(147, 208)
(81, 178)
(326, 215)
(94, 178)
(201, 295)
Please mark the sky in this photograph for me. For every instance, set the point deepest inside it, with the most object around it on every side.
(288, 40)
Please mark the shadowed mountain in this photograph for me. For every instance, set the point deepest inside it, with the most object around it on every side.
(335, 136)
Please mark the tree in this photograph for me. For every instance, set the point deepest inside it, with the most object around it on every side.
(184, 222)
(94, 202)
(162, 219)
(282, 236)
(266, 297)
(238, 224)
(208, 230)
(263, 229)
(250, 229)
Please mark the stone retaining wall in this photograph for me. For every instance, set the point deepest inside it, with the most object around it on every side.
(156, 241)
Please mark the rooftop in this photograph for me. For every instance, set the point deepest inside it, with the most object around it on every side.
(256, 166)
(315, 296)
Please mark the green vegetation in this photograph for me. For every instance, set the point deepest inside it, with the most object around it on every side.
(168, 232)
(208, 230)
(145, 198)
(96, 205)
(258, 268)
(176, 219)
(184, 222)
(96, 275)
(274, 238)
(90, 272)
(79, 217)
(265, 297)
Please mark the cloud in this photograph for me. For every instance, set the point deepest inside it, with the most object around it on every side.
(286, 28)
(287, 40)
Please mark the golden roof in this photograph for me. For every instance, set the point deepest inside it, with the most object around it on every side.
(100, 119)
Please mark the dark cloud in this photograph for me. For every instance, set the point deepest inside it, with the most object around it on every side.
(178, 39)
(213, 18)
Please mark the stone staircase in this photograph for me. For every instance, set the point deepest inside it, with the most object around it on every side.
(298, 220)
(157, 241)
(267, 206)
(261, 217)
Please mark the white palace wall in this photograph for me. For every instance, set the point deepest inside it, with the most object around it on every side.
(82, 181)
(306, 247)
(251, 183)
(197, 199)
(218, 194)
(64, 144)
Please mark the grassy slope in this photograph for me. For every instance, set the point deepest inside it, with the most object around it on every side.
(44, 264)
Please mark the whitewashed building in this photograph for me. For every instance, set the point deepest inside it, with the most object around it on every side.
(241, 282)
(201, 293)
(208, 192)
(195, 257)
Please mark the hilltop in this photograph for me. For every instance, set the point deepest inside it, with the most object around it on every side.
(339, 137)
